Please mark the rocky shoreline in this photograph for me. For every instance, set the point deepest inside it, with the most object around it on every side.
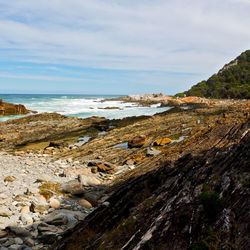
(149, 99)
(57, 170)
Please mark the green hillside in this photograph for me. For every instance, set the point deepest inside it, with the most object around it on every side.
(232, 81)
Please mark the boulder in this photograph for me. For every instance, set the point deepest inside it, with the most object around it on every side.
(39, 206)
(70, 186)
(26, 219)
(13, 109)
(137, 142)
(84, 203)
(89, 180)
(74, 172)
(54, 203)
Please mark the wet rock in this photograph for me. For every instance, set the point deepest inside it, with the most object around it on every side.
(152, 152)
(137, 142)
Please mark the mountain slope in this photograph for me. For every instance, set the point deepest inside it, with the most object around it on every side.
(232, 81)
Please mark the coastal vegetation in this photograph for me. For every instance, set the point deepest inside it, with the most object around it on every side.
(232, 81)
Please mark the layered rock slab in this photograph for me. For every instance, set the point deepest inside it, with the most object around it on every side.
(13, 109)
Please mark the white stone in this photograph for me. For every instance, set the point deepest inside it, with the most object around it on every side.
(26, 219)
(5, 212)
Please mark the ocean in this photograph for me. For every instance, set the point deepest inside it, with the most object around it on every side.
(81, 106)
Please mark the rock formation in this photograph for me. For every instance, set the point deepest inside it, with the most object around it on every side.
(200, 201)
(13, 109)
(69, 183)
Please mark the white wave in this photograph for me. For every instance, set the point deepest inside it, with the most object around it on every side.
(86, 107)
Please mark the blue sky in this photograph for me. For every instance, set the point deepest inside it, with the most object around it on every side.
(117, 46)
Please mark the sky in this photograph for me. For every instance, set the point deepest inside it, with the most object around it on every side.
(117, 46)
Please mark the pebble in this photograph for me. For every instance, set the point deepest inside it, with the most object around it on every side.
(27, 215)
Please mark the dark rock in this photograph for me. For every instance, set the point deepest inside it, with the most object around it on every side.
(48, 238)
(18, 231)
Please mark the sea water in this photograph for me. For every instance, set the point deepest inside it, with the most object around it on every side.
(81, 106)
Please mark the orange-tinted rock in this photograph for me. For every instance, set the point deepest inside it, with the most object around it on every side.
(137, 142)
(162, 141)
(112, 108)
(102, 166)
(13, 109)
(74, 172)
(25, 210)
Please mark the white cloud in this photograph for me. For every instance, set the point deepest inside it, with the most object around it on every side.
(43, 78)
(181, 35)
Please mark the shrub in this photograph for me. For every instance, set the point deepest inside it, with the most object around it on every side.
(212, 203)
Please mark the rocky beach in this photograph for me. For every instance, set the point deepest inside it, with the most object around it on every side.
(91, 182)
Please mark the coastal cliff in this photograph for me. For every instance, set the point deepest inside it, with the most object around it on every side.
(13, 109)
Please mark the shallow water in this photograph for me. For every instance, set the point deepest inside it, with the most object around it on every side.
(121, 145)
